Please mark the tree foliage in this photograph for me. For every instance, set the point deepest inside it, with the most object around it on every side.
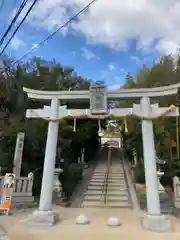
(42, 75)
(165, 71)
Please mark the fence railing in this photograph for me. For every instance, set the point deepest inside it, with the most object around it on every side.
(23, 186)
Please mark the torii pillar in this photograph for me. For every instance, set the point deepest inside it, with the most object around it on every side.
(153, 220)
(45, 215)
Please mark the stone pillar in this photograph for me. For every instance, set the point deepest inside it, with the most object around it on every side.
(44, 213)
(18, 154)
(82, 155)
(153, 203)
(153, 220)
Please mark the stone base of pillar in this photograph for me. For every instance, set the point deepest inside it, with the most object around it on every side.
(44, 218)
(155, 223)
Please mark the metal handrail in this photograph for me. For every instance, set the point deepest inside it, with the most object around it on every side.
(104, 185)
(106, 177)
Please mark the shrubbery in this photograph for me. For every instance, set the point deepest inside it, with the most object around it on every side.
(72, 175)
(171, 170)
(139, 173)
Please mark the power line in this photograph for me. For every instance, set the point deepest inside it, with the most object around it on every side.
(57, 30)
(13, 21)
(22, 21)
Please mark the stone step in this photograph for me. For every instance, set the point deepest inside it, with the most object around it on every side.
(111, 187)
(118, 190)
(118, 204)
(116, 182)
(110, 181)
(115, 198)
(111, 176)
(116, 185)
(96, 184)
(108, 198)
(112, 171)
(107, 205)
(99, 174)
(122, 189)
(91, 204)
(111, 193)
(117, 173)
(93, 198)
(93, 192)
(120, 177)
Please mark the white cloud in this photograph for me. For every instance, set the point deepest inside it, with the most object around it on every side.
(115, 86)
(167, 47)
(114, 22)
(136, 59)
(111, 67)
(34, 45)
(16, 43)
(87, 54)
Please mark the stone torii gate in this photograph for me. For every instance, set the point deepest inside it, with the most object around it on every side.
(153, 219)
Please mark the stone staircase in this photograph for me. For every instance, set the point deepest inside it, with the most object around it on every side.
(117, 192)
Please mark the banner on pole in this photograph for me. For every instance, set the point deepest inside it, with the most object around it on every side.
(6, 192)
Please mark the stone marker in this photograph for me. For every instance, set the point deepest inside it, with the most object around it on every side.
(18, 154)
(113, 221)
(82, 219)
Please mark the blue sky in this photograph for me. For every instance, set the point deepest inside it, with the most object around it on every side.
(113, 38)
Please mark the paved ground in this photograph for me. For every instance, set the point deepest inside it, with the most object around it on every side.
(68, 230)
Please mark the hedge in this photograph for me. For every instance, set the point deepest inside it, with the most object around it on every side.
(139, 173)
(72, 175)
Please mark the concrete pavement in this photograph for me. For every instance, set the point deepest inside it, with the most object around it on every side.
(68, 230)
